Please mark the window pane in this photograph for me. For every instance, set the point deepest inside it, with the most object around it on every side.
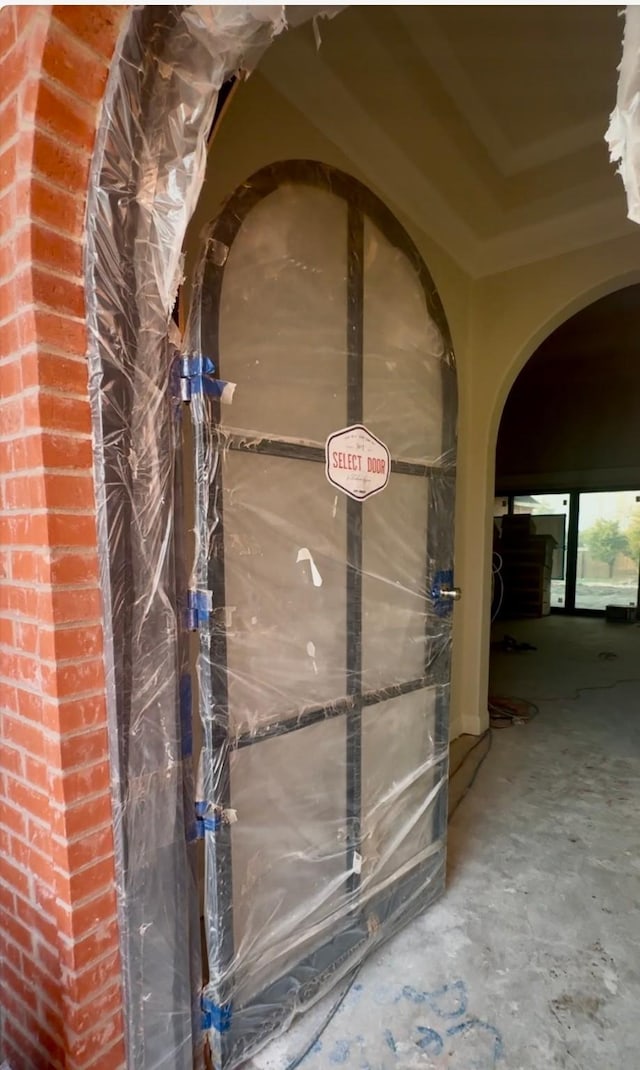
(283, 316)
(608, 547)
(401, 780)
(289, 849)
(403, 352)
(393, 585)
(285, 538)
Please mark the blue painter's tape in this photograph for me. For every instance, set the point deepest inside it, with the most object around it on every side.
(217, 387)
(215, 1016)
(199, 364)
(206, 822)
(211, 824)
(199, 606)
(197, 374)
(186, 722)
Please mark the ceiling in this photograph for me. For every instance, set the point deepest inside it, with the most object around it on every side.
(488, 122)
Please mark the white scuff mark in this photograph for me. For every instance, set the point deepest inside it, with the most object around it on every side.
(254, 620)
(335, 507)
(610, 979)
(311, 651)
(305, 555)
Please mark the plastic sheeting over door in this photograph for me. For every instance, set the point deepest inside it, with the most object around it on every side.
(623, 135)
(324, 639)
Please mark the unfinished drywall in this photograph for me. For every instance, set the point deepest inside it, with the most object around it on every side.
(497, 321)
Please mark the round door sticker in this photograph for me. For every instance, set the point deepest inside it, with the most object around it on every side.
(357, 462)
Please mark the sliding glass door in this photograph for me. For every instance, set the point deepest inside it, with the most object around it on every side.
(608, 548)
(596, 556)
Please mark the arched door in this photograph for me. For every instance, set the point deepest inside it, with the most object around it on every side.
(323, 397)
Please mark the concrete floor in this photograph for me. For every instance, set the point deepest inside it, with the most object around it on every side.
(531, 961)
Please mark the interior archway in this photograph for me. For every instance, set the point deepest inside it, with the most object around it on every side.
(567, 447)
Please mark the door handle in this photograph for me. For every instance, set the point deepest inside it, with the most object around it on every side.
(454, 593)
(443, 593)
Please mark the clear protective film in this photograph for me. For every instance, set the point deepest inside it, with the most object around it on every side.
(623, 133)
(322, 403)
(147, 171)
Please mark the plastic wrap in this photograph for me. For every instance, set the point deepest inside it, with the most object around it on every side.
(317, 350)
(623, 135)
(147, 170)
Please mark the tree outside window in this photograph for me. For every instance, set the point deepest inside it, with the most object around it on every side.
(605, 541)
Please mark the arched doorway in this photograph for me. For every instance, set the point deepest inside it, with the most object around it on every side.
(566, 458)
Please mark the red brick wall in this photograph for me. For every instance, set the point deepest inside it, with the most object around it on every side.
(61, 978)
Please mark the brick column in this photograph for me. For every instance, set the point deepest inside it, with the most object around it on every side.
(60, 988)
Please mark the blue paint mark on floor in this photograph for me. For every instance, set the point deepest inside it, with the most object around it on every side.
(432, 1024)
(450, 1001)
(429, 1040)
(486, 1036)
(340, 1052)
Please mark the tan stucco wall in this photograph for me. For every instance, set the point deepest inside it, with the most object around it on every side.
(510, 315)
(496, 323)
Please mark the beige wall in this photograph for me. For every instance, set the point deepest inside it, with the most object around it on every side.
(496, 323)
(510, 315)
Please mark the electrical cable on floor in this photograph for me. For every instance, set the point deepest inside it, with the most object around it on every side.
(505, 712)
(496, 569)
(592, 687)
(299, 1059)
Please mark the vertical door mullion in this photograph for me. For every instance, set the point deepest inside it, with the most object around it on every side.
(355, 299)
(571, 563)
